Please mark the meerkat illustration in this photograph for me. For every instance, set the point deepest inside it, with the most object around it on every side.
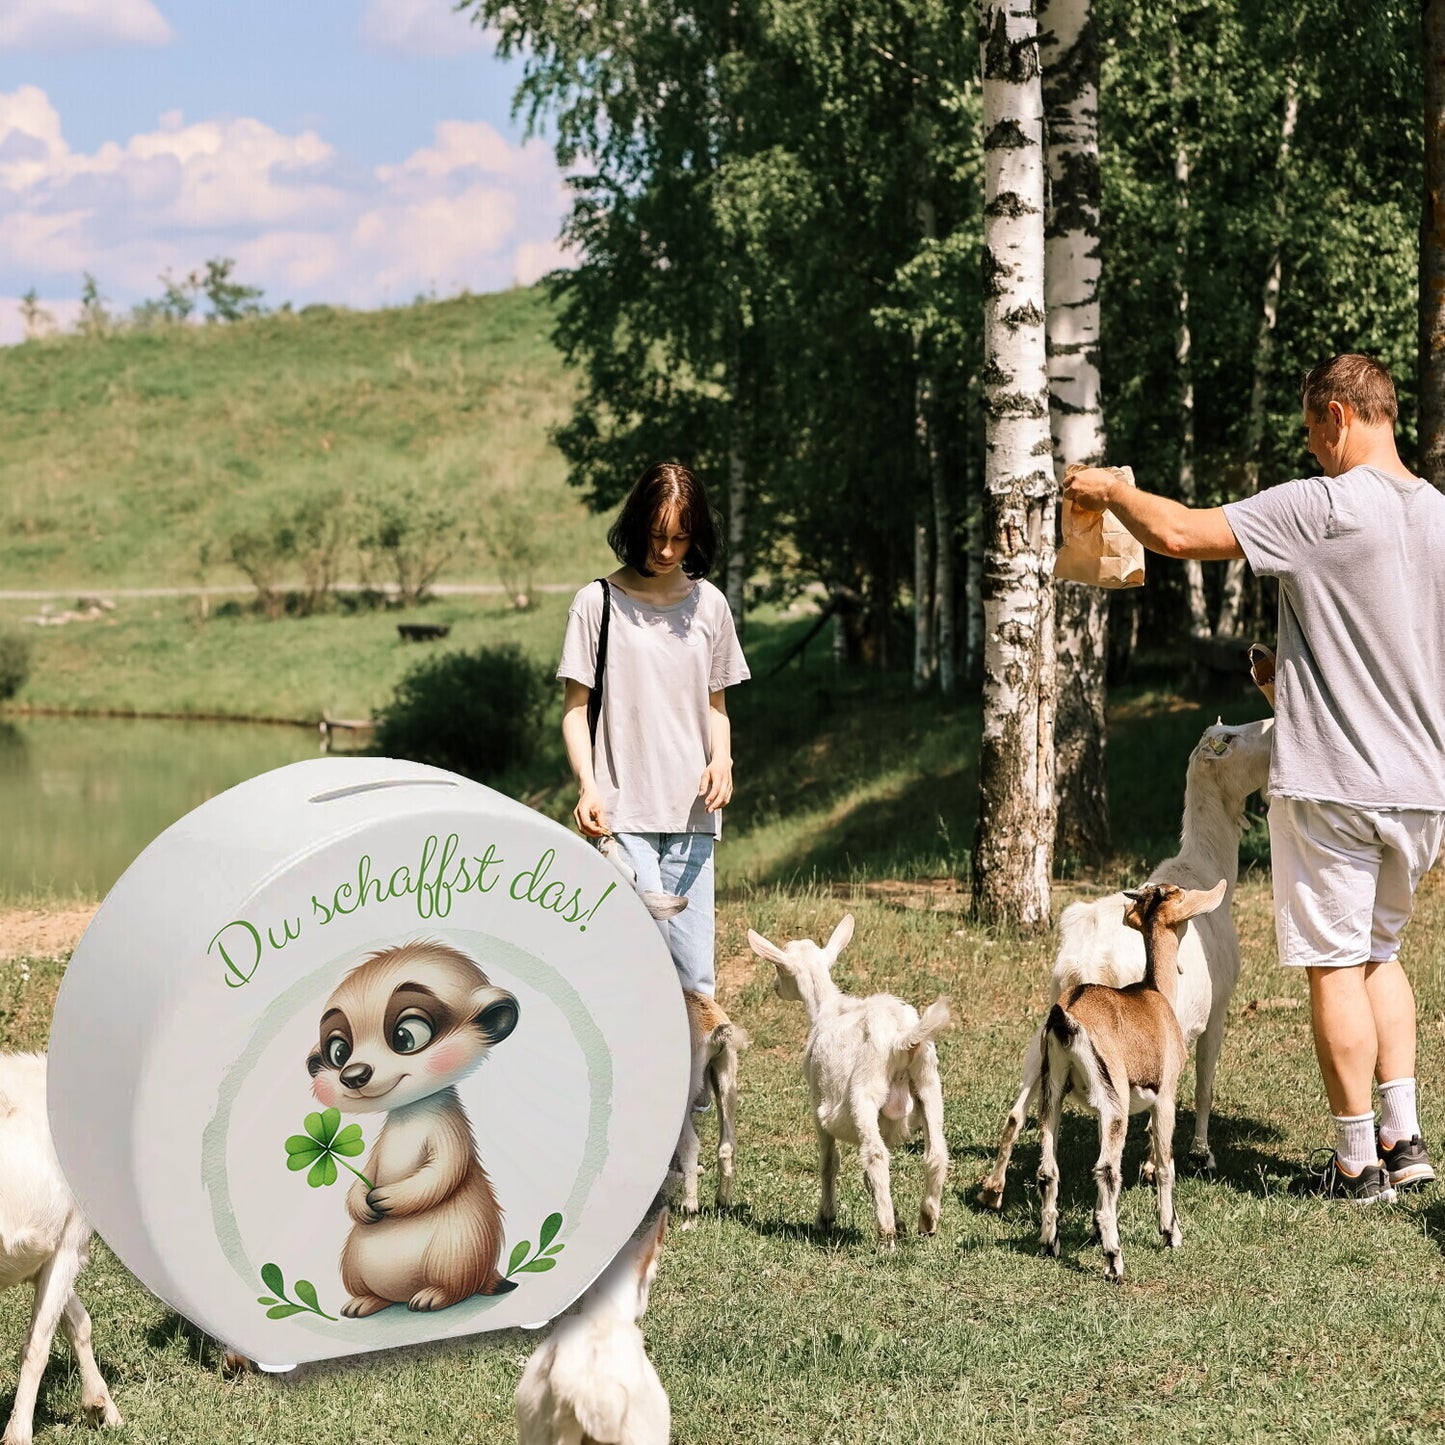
(397, 1034)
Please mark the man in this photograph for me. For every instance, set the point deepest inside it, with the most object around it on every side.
(1357, 782)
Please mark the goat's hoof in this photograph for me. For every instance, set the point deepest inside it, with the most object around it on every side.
(887, 1243)
(1049, 1248)
(233, 1362)
(1173, 1236)
(1201, 1161)
(990, 1196)
(103, 1412)
(1114, 1269)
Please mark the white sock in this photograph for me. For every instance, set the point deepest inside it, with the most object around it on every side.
(1398, 1119)
(1355, 1141)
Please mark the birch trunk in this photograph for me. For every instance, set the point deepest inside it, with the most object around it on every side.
(1013, 845)
(1070, 60)
(1184, 366)
(922, 603)
(1432, 250)
(1233, 593)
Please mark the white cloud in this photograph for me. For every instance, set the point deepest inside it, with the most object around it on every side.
(422, 28)
(80, 24)
(470, 211)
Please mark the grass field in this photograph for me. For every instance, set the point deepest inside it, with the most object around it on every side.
(1280, 1319)
(124, 457)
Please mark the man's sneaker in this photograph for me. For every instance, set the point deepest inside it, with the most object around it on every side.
(1370, 1186)
(1407, 1163)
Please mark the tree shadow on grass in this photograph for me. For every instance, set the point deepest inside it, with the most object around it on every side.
(172, 1329)
(803, 1231)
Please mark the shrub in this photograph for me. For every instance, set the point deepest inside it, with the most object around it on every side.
(476, 713)
(14, 663)
(412, 537)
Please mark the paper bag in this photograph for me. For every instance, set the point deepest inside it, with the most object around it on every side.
(1096, 547)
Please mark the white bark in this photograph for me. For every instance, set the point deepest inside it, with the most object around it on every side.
(1013, 848)
(736, 575)
(1193, 569)
(1072, 268)
(1233, 594)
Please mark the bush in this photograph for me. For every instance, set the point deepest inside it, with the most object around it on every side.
(476, 713)
(14, 663)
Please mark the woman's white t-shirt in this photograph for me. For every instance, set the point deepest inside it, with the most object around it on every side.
(654, 735)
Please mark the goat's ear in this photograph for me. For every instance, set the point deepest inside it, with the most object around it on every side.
(764, 949)
(840, 938)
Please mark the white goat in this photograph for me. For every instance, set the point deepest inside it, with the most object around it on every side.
(1226, 766)
(871, 1069)
(1120, 1051)
(716, 1041)
(591, 1383)
(45, 1239)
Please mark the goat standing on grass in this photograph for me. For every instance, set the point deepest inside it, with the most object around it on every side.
(591, 1382)
(715, 1041)
(44, 1238)
(1120, 1051)
(872, 1071)
(1227, 765)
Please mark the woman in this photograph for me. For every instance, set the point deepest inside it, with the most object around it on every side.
(658, 771)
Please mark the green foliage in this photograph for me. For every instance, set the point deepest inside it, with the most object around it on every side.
(308, 537)
(229, 299)
(409, 535)
(94, 322)
(16, 653)
(545, 1256)
(476, 713)
(281, 1305)
(320, 1146)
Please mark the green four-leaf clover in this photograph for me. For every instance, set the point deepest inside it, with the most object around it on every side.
(318, 1148)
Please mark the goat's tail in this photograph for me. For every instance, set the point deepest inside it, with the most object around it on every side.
(590, 1381)
(1087, 1064)
(730, 1034)
(936, 1017)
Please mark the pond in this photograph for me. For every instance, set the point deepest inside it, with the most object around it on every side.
(80, 797)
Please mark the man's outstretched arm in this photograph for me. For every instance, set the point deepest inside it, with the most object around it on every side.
(1162, 525)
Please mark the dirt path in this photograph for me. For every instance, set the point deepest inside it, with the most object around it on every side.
(42, 932)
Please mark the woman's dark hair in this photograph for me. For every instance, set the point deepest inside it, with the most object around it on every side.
(658, 488)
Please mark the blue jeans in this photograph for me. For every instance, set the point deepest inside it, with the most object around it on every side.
(680, 863)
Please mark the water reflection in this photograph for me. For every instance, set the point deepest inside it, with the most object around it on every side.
(80, 797)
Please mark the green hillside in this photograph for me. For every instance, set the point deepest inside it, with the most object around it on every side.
(123, 457)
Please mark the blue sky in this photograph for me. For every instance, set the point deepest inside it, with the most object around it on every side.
(354, 151)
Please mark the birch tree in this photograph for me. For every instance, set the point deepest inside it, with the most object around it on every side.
(1013, 845)
(1070, 59)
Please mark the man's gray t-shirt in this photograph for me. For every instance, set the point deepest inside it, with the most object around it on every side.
(1360, 660)
(654, 735)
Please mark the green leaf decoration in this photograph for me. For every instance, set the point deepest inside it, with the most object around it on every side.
(556, 1249)
(550, 1226)
(313, 1126)
(536, 1266)
(323, 1171)
(518, 1255)
(302, 1144)
(297, 1162)
(331, 1122)
(284, 1308)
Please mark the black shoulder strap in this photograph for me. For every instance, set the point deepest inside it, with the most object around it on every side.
(594, 700)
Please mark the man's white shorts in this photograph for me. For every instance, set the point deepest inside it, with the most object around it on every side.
(1345, 878)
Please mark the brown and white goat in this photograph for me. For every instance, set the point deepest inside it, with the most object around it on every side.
(1119, 1051)
(872, 1072)
(715, 1040)
(1226, 766)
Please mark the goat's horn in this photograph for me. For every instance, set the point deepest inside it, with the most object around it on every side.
(1134, 893)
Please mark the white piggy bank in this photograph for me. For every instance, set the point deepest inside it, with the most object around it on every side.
(361, 1053)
